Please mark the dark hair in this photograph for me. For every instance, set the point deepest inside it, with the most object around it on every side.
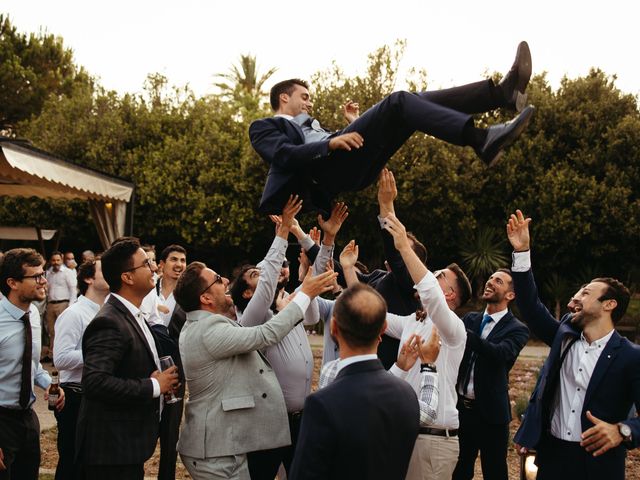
(117, 260)
(85, 271)
(238, 287)
(286, 86)
(169, 250)
(418, 247)
(463, 286)
(615, 291)
(189, 287)
(12, 265)
(360, 313)
(56, 252)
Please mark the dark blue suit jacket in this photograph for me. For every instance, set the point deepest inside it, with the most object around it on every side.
(613, 388)
(495, 356)
(362, 426)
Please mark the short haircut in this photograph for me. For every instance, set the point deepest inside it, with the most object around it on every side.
(12, 265)
(54, 253)
(463, 286)
(117, 260)
(85, 271)
(615, 291)
(189, 287)
(286, 86)
(238, 287)
(508, 272)
(360, 313)
(169, 250)
(418, 248)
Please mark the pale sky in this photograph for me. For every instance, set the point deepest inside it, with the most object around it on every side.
(455, 41)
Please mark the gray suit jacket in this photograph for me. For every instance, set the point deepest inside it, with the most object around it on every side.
(235, 403)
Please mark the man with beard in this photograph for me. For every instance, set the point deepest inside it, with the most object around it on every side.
(577, 414)
(494, 340)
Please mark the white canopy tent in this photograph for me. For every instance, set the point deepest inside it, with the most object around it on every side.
(26, 171)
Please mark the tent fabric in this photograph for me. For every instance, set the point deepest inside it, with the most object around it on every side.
(25, 233)
(26, 171)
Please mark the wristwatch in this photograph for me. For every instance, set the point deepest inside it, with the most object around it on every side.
(428, 367)
(625, 431)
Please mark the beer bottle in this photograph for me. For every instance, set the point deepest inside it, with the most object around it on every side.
(54, 391)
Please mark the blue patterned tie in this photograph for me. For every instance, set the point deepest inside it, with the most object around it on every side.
(485, 319)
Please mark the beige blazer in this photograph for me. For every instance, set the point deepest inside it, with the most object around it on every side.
(235, 403)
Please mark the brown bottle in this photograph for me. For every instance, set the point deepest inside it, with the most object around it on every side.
(54, 390)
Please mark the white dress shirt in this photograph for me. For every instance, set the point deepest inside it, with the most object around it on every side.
(61, 285)
(70, 326)
(453, 336)
(138, 315)
(575, 376)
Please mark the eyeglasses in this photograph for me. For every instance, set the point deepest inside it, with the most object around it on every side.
(38, 277)
(441, 273)
(218, 279)
(146, 263)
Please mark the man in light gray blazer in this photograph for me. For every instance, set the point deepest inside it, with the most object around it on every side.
(235, 403)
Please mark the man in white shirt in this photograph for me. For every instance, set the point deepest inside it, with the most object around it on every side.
(436, 450)
(60, 294)
(67, 356)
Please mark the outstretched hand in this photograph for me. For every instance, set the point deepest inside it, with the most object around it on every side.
(290, 210)
(430, 349)
(518, 232)
(349, 255)
(315, 285)
(387, 192)
(397, 231)
(331, 227)
(409, 352)
(351, 111)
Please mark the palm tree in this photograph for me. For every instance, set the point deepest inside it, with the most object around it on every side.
(482, 254)
(243, 79)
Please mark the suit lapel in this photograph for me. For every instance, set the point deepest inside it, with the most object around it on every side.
(504, 321)
(291, 125)
(133, 322)
(607, 357)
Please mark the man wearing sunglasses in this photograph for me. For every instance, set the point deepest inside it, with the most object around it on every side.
(119, 417)
(22, 281)
(236, 405)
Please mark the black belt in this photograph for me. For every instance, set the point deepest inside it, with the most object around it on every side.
(72, 387)
(53, 302)
(294, 415)
(440, 432)
(15, 412)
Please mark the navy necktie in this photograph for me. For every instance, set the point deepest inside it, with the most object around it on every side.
(486, 319)
(25, 383)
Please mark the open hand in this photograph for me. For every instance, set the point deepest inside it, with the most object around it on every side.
(430, 349)
(518, 232)
(397, 231)
(387, 192)
(349, 255)
(339, 214)
(316, 285)
(409, 352)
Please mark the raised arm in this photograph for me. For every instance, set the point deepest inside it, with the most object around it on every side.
(448, 323)
(543, 324)
(348, 259)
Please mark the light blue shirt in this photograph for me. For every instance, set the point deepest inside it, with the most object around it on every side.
(11, 351)
(70, 326)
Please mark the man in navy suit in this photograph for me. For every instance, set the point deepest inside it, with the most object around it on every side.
(303, 157)
(494, 340)
(577, 414)
(364, 425)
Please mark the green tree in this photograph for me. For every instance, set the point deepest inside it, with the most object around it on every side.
(243, 83)
(32, 68)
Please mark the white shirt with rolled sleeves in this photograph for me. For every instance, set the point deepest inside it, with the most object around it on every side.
(70, 326)
(453, 336)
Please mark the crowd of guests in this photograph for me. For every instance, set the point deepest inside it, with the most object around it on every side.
(423, 407)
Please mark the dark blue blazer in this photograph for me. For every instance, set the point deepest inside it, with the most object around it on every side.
(613, 388)
(495, 356)
(362, 426)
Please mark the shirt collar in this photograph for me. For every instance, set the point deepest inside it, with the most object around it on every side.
(496, 317)
(89, 303)
(284, 115)
(355, 359)
(11, 309)
(601, 342)
(135, 311)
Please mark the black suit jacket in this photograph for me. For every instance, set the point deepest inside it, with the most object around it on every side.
(362, 426)
(494, 357)
(119, 418)
(613, 388)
